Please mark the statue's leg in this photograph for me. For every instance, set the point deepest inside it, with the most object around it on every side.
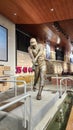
(42, 81)
(36, 76)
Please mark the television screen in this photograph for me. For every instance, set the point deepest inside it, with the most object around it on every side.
(71, 57)
(47, 51)
(3, 43)
(59, 53)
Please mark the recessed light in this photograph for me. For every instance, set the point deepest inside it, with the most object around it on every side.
(52, 9)
(14, 14)
(57, 48)
(58, 40)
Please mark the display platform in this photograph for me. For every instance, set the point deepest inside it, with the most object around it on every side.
(39, 108)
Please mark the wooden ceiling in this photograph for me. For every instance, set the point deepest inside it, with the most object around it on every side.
(37, 17)
(36, 11)
(43, 31)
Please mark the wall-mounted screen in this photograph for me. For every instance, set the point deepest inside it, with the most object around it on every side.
(59, 53)
(3, 43)
(47, 50)
(71, 57)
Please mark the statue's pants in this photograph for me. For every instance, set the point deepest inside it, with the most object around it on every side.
(40, 72)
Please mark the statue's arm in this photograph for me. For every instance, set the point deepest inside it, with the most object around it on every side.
(30, 53)
(39, 53)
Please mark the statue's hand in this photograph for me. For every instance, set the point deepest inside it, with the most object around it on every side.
(34, 61)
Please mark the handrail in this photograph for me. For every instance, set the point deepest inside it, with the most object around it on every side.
(15, 76)
(24, 83)
(66, 84)
(17, 100)
(56, 75)
(15, 86)
(13, 102)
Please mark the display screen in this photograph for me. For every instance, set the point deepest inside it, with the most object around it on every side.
(3, 43)
(59, 53)
(47, 50)
(71, 57)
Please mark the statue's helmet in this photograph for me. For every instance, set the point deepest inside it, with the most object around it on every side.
(33, 42)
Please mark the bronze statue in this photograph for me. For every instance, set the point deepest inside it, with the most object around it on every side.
(36, 52)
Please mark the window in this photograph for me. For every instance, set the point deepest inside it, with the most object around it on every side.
(3, 43)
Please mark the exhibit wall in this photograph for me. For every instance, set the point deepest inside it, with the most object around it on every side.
(11, 43)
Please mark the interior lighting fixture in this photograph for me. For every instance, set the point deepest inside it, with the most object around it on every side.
(15, 14)
(52, 9)
(58, 40)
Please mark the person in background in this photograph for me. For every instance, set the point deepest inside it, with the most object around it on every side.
(36, 52)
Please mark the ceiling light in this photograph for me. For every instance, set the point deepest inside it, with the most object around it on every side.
(57, 48)
(14, 14)
(58, 40)
(52, 9)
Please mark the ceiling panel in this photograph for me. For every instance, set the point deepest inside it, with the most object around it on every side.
(43, 31)
(36, 11)
(68, 27)
(36, 17)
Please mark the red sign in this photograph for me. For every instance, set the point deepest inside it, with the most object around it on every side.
(23, 69)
